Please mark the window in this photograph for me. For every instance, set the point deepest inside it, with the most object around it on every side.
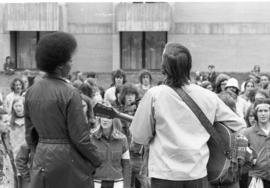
(23, 47)
(141, 50)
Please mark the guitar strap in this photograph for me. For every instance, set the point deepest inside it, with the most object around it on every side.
(204, 121)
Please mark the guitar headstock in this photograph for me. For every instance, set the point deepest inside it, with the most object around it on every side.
(104, 111)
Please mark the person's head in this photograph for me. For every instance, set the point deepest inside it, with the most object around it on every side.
(250, 116)
(262, 111)
(80, 76)
(176, 64)
(77, 83)
(145, 77)
(221, 82)
(264, 80)
(211, 68)
(25, 80)
(91, 75)
(256, 69)
(4, 120)
(8, 59)
(129, 94)
(232, 85)
(91, 81)
(249, 85)
(261, 94)
(54, 53)
(18, 107)
(198, 74)
(118, 77)
(207, 85)
(87, 90)
(17, 85)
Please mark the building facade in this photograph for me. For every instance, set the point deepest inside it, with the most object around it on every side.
(234, 36)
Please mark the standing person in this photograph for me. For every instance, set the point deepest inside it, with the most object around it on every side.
(264, 81)
(221, 82)
(145, 79)
(118, 79)
(113, 150)
(212, 74)
(258, 137)
(17, 88)
(249, 86)
(241, 104)
(55, 125)
(8, 178)
(178, 151)
(128, 97)
(17, 128)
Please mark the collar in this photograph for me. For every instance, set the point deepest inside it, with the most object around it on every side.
(58, 78)
(259, 131)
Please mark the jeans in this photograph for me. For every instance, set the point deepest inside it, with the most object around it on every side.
(160, 183)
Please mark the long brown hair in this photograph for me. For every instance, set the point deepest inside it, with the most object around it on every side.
(176, 64)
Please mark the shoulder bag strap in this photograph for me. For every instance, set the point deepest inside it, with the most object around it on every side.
(204, 121)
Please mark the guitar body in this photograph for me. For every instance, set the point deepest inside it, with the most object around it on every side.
(218, 163)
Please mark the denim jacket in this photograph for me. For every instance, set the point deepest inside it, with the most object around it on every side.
(110, 152)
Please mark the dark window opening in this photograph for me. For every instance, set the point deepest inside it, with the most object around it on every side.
(23, 48)
(142, 50)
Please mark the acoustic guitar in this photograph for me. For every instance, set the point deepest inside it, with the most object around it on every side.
(218, 163)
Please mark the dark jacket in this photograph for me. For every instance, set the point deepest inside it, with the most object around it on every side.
(22, 161)
(57, 131)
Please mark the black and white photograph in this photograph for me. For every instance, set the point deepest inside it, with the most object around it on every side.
(134, 94)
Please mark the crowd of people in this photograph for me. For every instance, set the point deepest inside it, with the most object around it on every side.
(49, 130)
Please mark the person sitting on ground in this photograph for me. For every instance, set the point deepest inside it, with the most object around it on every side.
(9, 66)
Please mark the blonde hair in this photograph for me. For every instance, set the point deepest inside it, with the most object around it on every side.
(116, 126)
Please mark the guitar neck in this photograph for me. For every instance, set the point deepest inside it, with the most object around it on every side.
(125, 117)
